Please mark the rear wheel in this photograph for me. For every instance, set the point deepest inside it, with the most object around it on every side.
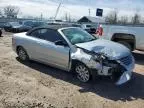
(22, 54)
(126, 44)
(83, 73)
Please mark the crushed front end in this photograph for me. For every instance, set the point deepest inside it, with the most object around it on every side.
(118, 69)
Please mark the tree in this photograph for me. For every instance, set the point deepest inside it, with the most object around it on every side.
(123, 20)
(112, 17)
(136, 19)
(11, 11)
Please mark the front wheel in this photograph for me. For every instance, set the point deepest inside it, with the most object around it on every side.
(83, 73)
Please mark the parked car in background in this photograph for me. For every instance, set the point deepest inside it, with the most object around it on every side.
(0, 32)
(22, 26)
(27, 25)
(90, 28)
(130, 36)
(73, 49)
(39, 23)
(12, 27)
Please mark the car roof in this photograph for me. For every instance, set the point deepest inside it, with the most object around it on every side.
(53, 27)
(13, 22)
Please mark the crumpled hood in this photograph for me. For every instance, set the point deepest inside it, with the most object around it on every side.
(110, 49)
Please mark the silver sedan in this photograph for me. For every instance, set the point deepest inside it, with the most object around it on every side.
(73, 49)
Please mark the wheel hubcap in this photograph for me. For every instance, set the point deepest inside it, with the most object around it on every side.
(22, 54)
(83, 73)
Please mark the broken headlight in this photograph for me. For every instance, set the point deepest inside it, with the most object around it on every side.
(99, 57)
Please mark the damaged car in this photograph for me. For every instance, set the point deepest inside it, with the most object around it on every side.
(73, 49)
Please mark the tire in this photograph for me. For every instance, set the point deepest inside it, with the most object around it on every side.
(126, 44)
(82, 72)
(0, 33)
(22, 54)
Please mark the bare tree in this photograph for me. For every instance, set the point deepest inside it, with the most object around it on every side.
(136, 19)
(112, 17)
(11, 11)
(123, 20)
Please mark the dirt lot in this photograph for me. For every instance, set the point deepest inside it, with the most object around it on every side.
(34, 85)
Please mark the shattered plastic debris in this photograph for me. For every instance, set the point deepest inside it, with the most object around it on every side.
(124, 78)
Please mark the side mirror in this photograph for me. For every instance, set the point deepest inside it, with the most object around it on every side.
(60, 43)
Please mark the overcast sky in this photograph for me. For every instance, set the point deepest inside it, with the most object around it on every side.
(76, 8)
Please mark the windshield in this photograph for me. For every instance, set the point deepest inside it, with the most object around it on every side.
(36, 24)
(28, 23)
(14, 23)
(77, 35)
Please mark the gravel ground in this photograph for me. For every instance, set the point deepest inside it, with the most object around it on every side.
(34, 85)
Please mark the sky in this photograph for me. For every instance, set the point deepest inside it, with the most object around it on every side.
(74, 8)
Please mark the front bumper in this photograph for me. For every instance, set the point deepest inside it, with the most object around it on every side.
(120, 79)
(125, 77)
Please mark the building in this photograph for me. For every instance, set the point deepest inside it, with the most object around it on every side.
(89, 19)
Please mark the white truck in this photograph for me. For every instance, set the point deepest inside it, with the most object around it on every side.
(130, 36)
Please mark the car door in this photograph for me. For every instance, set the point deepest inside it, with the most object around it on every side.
(56, 55)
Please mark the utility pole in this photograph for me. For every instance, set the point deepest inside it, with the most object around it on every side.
(69, 17)
(89, 11)
(41, 17)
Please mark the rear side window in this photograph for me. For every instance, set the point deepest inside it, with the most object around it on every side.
(47, 34)
(35, 33)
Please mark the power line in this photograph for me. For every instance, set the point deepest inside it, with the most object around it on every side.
(58, 9)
